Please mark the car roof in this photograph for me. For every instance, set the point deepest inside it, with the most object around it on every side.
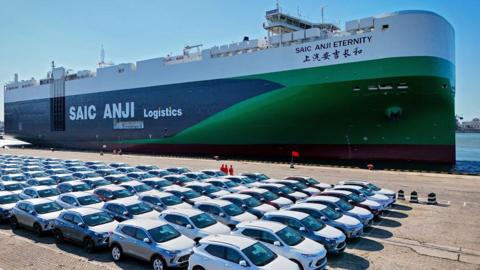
(175, 175)
(199, 184)
(271, 180)
(267, 184)
(237, 196)
(111, 187)
(256, 190)
(363, 182)
(263, 224)
(189, 212)
(73, 183)
(347, 186)
(216, 202)
(77, 194)
(40, 187)
(288, 213)
(84, 210)
(313, 206)
(336, 191)
(238, 242)
(217, 180)
(36, 201)
(132, 183)
(146, 223)
(176, 188)
(4, 193)
(155, 193)
(10, 182)
(323, 198)
(116, 175)
(125, 201)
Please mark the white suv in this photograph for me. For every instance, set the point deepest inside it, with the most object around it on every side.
(283, 240)
(221, 252)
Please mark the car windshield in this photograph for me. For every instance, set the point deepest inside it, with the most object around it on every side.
(163, 183)
(48, 192)
(373, 187)
(171, 200)
(39, 174)
(142, 188)
(211, 189)
(202, 176)
(269, 196)
(13, 187)
(191, 194)
(233, 210)
(203, 220)
(97, 219)
(231, 184)
(91, 174)
(66, 178)
(17, 178)
(331, 214)
(184, 179)
(367, 192)
(47, 182)
(246, 180)
(354, 197)
(290, 236)
(345, 206)
(146, 175)
(259, 254)
(252, 202)
(160, 173)
(312, 224)
(261, 177)
(312, 181)
(122, 193)
(300, 185)
(102, 182)
(6, 199)
(139, 208)
(49, 207)
(286, 190)
(87, 200)
(164, 233)
(80, 187)
(183, 170)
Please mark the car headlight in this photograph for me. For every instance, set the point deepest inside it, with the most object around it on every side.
(172, 253)
(308, 255)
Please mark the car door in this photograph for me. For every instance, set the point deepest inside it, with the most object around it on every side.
(20, 213)
(78, 232)
(142, 249)
(180, 223)
(67, 226)
(127, 240)
(30, 214)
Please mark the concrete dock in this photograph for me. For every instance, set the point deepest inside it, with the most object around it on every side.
(409, 236)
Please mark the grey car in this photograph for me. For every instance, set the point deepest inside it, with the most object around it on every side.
(87, 226)
(37, 214)
(7, 202)
(225, 212)
(153, 241)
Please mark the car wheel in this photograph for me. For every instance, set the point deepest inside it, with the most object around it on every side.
(37, 230)
(117, 253)
(198, 268)
(88, 245)
(13, 223)
(157, 263)
(58, 236)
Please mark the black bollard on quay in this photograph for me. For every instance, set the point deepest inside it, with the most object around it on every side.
(414, 197)
(432, 199)
(401, 195)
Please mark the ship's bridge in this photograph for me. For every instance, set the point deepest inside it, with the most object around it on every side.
(279, 22)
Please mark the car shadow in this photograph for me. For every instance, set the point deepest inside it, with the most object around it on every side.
(99, 255)
(134, 264)
(386, 222)
(26, 233)
(401, 207)
(348, 261)
(376, 232)
(365, 244)
(394, 214)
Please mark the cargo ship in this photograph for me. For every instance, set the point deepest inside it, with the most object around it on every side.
(382, 88)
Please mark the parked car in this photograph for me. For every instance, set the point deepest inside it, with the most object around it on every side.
(118, 165)
(296, 185)
(18, 177)
(356, 200)
(153, 241)
(188, 195)
(140, 175)
(46, 192)
(146, 168)
(241, 180)
(106, 171)
(95, 182)
(178, 170)
(285, 241)
(193, 223)
(158, 183)
(117, 178)
(160, 200)
(12, 186)
(60, 178)
(350, 226)
(56, 171)
(7, 202)
(112, 192)
(41, 181)
(129, 208)
(33, 174)
(36, 214)
(378, 190)
(311, 182)
(160, 172)
(281, 190)
(207, 189)
(136, 186)
(249, 203)
(225, 212)
(255, 176)
(79, 168)
(126, 170)
(339, 205)
(86, 174)
(214, 173)
(383, 200)
(331, 238)
(178, 179)
(199, 176)
(87, 226)
(267, 197)
(79, 199)
(219, 252)
(225, 184)
(73, 186)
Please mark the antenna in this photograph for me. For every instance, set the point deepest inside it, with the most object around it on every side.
(102, 57)
(323, 7)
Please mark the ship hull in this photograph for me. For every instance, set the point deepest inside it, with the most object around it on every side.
(324, 113)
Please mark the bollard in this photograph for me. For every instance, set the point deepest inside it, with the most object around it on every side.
(401, 195)
(370, 167)
(292, 166)
(414, 197)
(101, 153)
(432, 199)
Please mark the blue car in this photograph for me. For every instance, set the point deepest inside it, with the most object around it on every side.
(86, 226)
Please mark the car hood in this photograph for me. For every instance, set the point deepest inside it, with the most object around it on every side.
(283, 202)
(379, 197)
(323, 186)
(385, 191)
(220, 193)
(349, 221)
(217, 228)
(309, 246)
(280, 263)
(312, 190)
(181, 243)
(200, 199)
(330, 232)
(181, 205)
(237, 189)
(360, 211)
(107, 227)
(264, 208)
(50, 216)
(150, 215)
(8, 206)
(372, 204)
(95, 205)
(299, 195)
(244, 217)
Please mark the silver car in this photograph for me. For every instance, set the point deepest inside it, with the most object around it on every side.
(154, 241)
(225, 212)
(37, 214)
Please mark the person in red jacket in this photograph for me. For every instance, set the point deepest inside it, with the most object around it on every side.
(231, 170)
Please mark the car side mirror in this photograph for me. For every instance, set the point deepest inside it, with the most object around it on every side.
(189, 226)
(125, 213)
(280, 193)
(33, 213)
(81, 225)
(337, 209)
(243, 263)
(323, 218)
(244, 206)
(75, 204)
(262, 199)
(222, 214)
(146, 240)
(302, 229)
(277, 244)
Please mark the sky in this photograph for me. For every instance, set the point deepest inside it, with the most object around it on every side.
(33, 33)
